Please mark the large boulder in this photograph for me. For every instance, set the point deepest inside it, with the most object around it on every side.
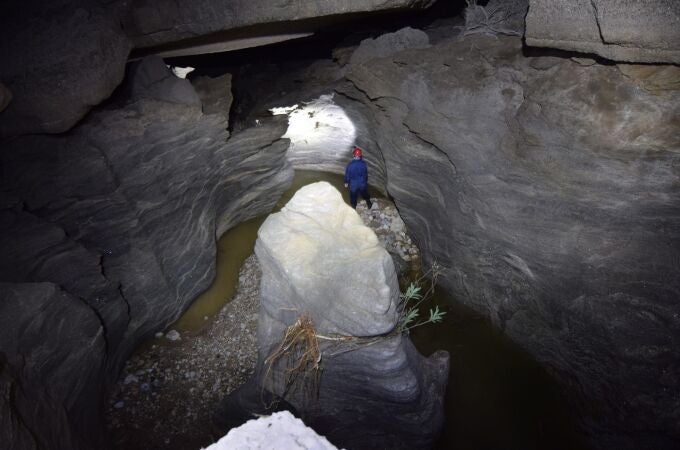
(375, 390)
(151, 22)
(112, 227)
(548, 192)
(59, 59)
(621, 30)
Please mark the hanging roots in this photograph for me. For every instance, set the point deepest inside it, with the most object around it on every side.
(300, 348)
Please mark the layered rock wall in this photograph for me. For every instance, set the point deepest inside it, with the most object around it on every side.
(151, 23)
(548, 191)
(112, 227)
(620, 30)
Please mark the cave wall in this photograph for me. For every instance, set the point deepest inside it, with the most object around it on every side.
(548, 190)
(620, 30)
(546, 186)
(108, 233)
(151, 22)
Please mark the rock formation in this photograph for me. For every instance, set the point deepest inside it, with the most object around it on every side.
(548, 191)
(546, 188)
(59, 59)
(280, 430)
(116, 223)
(152, 23)
(215, 94)
(621, 30)
(319, 260)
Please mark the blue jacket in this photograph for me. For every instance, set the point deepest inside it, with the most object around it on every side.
(356, 175)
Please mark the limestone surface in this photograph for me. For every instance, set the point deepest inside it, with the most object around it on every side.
(620, 30)
(548, 192)
(319, 251)
(151, 22)
(280, 430)
(121, 214)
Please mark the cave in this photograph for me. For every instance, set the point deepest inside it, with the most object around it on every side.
(530, 150)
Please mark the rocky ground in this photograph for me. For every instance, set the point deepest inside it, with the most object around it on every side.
(169, 389)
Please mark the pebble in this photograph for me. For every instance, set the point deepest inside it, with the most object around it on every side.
(173, 335)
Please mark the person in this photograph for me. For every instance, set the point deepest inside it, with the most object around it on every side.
(356, 178)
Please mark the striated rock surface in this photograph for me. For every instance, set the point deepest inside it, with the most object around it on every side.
(59, 59)
(548, 192)
(620, 30)
(119, 218)
(151, 22)
(318, 259)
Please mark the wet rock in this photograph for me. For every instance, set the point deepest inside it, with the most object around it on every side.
(318, 259)
(621, 30)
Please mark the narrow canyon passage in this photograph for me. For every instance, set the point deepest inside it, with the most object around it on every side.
(529, 150)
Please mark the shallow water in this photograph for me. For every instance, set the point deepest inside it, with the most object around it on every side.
(498, 398)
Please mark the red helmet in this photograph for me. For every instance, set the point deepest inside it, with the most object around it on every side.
(356, 151)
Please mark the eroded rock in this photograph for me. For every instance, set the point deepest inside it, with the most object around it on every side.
(387, 44)
(620, 30)
(5, 97)
(122, 214)
(319, 260)
(59, 59)
(548, 192)
(151, 23)
(215, 94)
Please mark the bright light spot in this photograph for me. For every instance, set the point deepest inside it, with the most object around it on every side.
(321, 134)
(283, 110)
(181, 72)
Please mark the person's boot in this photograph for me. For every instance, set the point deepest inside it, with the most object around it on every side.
(369, 204)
